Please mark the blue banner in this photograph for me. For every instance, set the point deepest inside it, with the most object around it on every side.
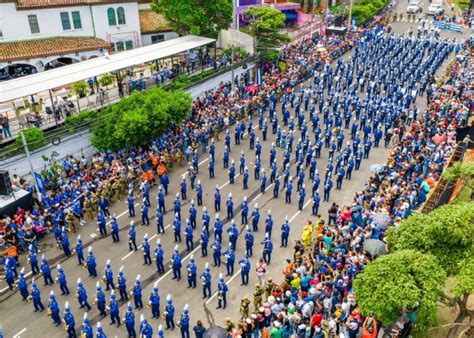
(40, 183)
(259, 77)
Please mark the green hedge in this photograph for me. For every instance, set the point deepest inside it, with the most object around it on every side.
(140, 118)
(83, 117)
(182, 81)
(34, 139)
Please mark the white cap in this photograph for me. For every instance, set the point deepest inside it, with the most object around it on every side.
(108, 262)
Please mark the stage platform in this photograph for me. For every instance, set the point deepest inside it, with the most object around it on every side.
(9, 204)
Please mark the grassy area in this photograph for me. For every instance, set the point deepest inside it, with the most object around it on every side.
(462, 4)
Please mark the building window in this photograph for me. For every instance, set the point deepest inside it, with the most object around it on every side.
(119, 46)
(111, 16)
(128, 45)
(157, 38)
(65, 21)
(76, 20)
(121, 16)
(34, 26)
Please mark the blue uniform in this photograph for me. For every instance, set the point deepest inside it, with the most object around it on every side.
(245, 270)
(159, 258)
(176, 265)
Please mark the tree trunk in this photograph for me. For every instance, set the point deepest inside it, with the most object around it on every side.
(463, 313)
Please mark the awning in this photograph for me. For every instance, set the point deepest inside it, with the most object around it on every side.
(39, 82)
(290, 15)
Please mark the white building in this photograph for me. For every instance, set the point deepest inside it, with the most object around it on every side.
(36, 35)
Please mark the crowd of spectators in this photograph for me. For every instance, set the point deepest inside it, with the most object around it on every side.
(315, 297)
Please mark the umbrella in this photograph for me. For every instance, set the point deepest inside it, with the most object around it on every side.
(375, 247)
(438, 138)
(381, 219)
(376, 168)
(215, 332)
(447, 87)
(252, 88)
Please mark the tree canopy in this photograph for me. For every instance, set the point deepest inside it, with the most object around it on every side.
(198, 17)
(139, 118)
(404, 279)
(265, 24)
(447, 233)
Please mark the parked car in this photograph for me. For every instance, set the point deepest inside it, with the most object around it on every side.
(436, 8)
(414, 6)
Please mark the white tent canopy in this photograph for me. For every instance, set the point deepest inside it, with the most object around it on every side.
(39, 82)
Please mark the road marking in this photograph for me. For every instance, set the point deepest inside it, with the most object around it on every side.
(139, 247)
(226, 183)
(257, 196)
(228, 281)
(201, 163)
(18, 335)
(252, 128)
(299, 211)
(93, 235)
(185, 258)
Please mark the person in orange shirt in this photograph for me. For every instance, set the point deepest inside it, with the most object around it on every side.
(369, 328)
(288, 268)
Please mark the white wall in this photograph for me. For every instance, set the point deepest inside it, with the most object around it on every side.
(15, 26)
(36, 62)
(129, 31)
(146, 38)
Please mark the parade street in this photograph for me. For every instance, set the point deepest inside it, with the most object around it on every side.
(20, 321)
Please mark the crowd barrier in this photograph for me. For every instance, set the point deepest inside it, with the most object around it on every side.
(448, 26)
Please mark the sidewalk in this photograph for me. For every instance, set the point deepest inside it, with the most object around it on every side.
(92, 101)
(79, 143)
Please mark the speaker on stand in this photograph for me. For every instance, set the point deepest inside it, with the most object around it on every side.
(5, 183)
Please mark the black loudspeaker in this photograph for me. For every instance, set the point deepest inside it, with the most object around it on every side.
(5, 184)
(339, 21)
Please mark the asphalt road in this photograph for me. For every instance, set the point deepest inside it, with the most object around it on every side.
(18, 319)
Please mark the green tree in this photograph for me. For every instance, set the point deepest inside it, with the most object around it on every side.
(460, 171)
(403, 280)
(139, 118)
(80, 88)
(34, 138)
(265, 24)
(448, 234)
(199, 17)
(106, 79)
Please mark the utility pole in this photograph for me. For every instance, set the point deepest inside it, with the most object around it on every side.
(25, 145)
(232, 68)
(349, 24)
(53, 108)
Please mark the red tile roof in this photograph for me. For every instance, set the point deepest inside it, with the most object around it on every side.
(30, 4)
(21, 50)
(152, 22)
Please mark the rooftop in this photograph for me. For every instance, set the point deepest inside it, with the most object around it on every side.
(29, 49)
(152, 22)
(32, 4)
